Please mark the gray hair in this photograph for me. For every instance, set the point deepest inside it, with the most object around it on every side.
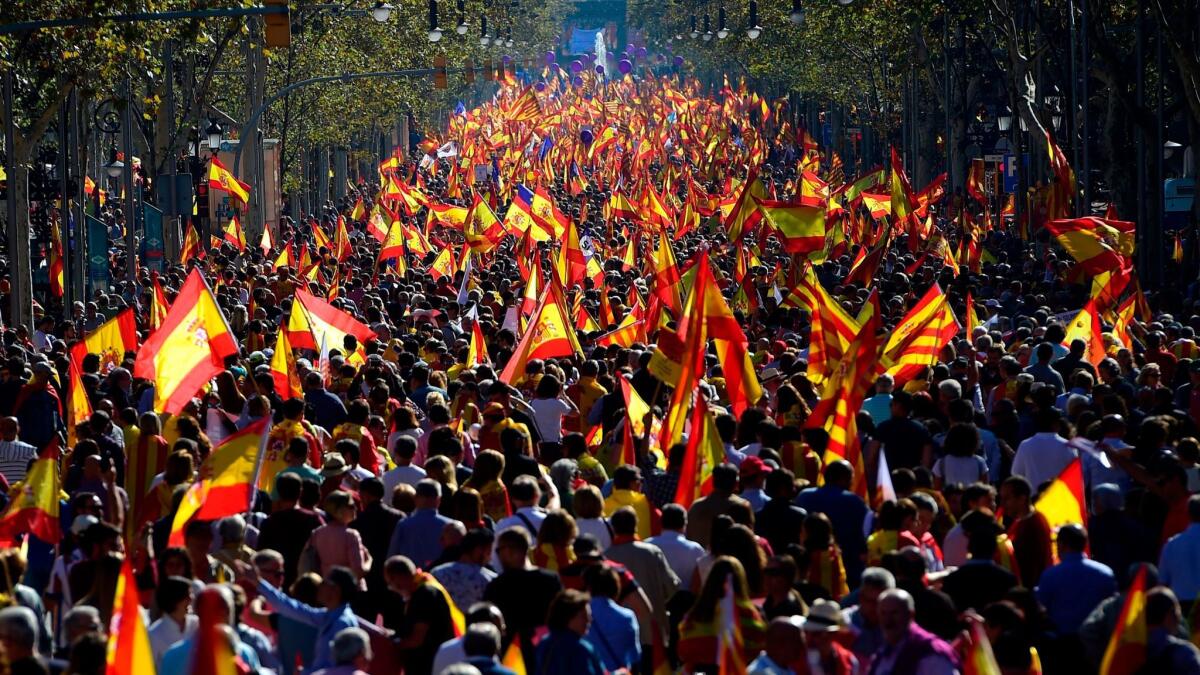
(460, 669)
(1107, 497)
(900, 595)
(924, 501)
(878, 578)
(481, 639)
(267, 555)
(82, 614)
(232, 528)
(348, 645)
(950, 388)
(19, 625)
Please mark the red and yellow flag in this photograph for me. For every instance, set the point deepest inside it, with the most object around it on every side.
(1126, 651)
(918, 339)
(704, 452)
(113, 339)
(549, 334)
(34, 507)
(972, 316)
(158, 304)
(128, 641)
(283, 369)
(745, 214)
(227, 479)
(54, 260)
(219, 178)
(314, 322)
(1063, 502)
(188, 349)
(233, 234)
(1097, 245)
(1086, 326)
(800, 228)
(513, 659)
(191, 245)
(979, 659)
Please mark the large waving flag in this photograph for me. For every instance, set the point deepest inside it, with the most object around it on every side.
(832, 327)
(1097, 244)
(227, 479)
(219, 178)
(918, 339)
(1126, 651)
(704, 452)
(283, 369)
(745, 214)
(158, 303)
(1063, 502)
(34, 507)
(128, 641)
(191, 245)
(188, 349)
(314, 321)
(525, 108)
(113, 339)
(800, 228)
(901, 190)
(550, 334)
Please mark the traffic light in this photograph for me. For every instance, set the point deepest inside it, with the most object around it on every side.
(277, 28)
(439, 71)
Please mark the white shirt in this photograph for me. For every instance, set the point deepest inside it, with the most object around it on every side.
(409, 475)
(598, 528)
(450, 653)
(1042, 457)
(547, 415)
(533, 514)
(164, 633)
(14, 460)
(682, 553)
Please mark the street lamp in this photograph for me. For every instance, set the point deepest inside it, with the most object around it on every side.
(484, 38)
(753, 30)
(797, 14)
(461, 28)
(1056, 119)
(1169, 149)
(115, 166)
(213, 131)
(708, 34)
(722, 31)
(381, 12)
(695, 33)
(1004, 119)
(508, 41)
(435, 33)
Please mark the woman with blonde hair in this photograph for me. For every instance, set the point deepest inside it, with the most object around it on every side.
(700, 631)
(553, 551)
(441, 469)
(489, 466)
(589, 515)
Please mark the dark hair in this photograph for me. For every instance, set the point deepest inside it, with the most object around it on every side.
(724, 477)
(564, 607)
(170, 592)
(602, 581)
(625, 476)
(624, 521)
(962, 440)
(674, 517)
(344, 579)
(287, 486)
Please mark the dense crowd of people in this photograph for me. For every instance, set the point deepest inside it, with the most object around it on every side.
(434, 516)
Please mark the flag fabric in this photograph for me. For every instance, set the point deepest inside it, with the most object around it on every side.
(458, 621)
(54, 260)
(514, 659)
(704, 453)
(1061, 197)
(1176, 249)
(113, 339)
(341, 241)
(746, 214)
(212, 653)
(730, 659)
(1063, 502)
(227, 479)
(1096, 244)
(219, 178)
(283, 368)
(1086, 326)
(549, 334)
(233, 234)
(477, 354)
(129, 648)
(314, 321)
(978, 658)
(158, 303)
(918, 339)
(525, 108)
(189, 348)
(191, 245)
(1126, 651)
(975, 179)
(800, 228)
(971, 316)
(34, 508)
(901, 191)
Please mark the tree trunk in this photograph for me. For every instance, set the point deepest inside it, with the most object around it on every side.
(21, 258)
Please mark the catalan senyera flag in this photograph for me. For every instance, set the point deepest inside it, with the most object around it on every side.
(34, 508)
(1063, 502)
(549, 334)
(283, 369)
(1126, 651)
(1098, 245)
(1062, 188)
(158, 303)
(920, 336)
(227, 479)
(128, 641)
(318, 321)
(219, 178)
(1086, 326)
(525, 108)
(704, 453)
(188, 349)
(800, 228)
(112, 339)
(625, 334)
(746, 214)
(233, 234)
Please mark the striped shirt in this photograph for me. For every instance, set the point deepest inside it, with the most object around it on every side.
(14, 459)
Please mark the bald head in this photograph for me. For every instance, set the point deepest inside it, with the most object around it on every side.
(785, 640)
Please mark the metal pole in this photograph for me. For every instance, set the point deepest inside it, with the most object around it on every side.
(79, 252)
(1070, 119)
(16, 247)
(1085, 125)
(947, 146)
(129, 203)
(1144, 245)
(1160, 206)
(64, 202)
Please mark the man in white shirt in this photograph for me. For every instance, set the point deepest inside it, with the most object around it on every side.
(405, 472)
(451, 651)
(14, 454)
(174, 595)
(527, 515)
(1044, 455)
(682, 553)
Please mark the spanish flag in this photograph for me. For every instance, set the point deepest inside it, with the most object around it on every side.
(314, 321)
(745, 214)
(477, 351)
(79, 407)
(667, 281)
(188, 349)
(800, 228)
(1126, 652)
(513, 659)
(901, 190)
(548, 335)
(128, 641)
(113, 339)
(972, 316)
(234, 234)
(227, 479)
(341, 246)
(1063, 502)
(1176, 250)
(158, 304)
(283, 368)
(219, 178)
(35, 503)
(191, 245)
(704, 452)
(1097, 244)
(359, 211)
(1086, 326)
(457, 621)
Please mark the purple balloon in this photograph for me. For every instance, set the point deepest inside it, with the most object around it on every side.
(554, 67)
(624, 55)
(599, 69)
(577, 81)
(641, 52)
(540, 86)
(629, 47)
(586, 136)
(506, 59)
(624, 66)
(550, 57)
(576, 66)
(678, 61)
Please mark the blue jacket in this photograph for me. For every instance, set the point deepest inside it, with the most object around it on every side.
(327, 621)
